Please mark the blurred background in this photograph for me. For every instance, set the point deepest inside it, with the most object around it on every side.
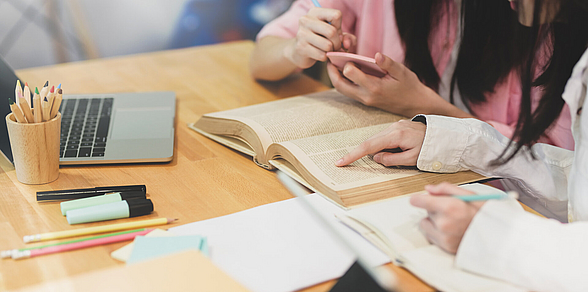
(45, 32)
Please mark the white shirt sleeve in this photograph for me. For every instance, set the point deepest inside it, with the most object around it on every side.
(507, 243)
(452, 145)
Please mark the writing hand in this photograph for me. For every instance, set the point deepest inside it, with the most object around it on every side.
(319, 32)
(406, 135)
(448, 217)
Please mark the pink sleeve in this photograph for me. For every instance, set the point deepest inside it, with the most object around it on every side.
(286, 25)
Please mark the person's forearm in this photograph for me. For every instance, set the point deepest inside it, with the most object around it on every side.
(507, 243)
(268, 61)
(439, 106)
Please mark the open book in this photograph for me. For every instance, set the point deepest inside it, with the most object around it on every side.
(392, 226)
(304, 136)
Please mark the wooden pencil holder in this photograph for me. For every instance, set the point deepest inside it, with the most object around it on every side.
(35, 148)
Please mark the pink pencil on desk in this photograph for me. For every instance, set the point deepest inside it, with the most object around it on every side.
(77, 245)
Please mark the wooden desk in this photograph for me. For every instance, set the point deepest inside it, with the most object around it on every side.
(204, 180)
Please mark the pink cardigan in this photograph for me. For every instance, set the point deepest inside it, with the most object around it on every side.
(373, 22)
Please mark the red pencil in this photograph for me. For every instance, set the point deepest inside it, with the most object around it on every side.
(77, 245)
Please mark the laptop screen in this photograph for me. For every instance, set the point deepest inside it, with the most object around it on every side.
(7, 86)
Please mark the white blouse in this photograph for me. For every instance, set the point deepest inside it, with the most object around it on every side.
(504, 241)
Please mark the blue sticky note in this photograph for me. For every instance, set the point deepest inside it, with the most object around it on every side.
(151, 247)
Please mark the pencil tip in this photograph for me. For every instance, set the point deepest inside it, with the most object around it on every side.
(26, 84)
(59, 86)
(46, 84)
(10, 102)
(170, 220)
(45, 99)
(36, 90)
(52, 89)
(18, 83)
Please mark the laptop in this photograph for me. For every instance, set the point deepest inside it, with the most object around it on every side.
(360, 276)
(104, 128)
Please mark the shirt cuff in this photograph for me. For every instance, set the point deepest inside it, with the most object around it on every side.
(445, 141)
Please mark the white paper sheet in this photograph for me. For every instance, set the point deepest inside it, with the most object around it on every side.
(279, 246)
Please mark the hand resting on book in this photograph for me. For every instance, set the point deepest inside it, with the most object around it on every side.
(448, 218)
(404, 134)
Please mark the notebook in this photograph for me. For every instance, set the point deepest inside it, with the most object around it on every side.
(105, 128)
(360, 276)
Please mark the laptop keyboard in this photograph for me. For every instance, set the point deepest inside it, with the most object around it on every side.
(84, 126)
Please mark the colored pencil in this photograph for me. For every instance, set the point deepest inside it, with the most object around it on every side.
(51, 98)
(25, 107)
(77, 245)
(8, 253)
(485, 197)
(44, 90)
(56, 102)
(37, 110)
(27, 96)
(96, 229)
(18, 89)
(16, 111)
(46, 110)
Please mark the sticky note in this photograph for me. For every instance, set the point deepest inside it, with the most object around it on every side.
(151, 247)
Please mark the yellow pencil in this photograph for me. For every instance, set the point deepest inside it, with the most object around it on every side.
(97, 229)
(16, 111)
(56, 103)
(38, 112)
(18, 90)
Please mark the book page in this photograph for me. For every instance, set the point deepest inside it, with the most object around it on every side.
(318, 155)
(396, 221)
(306, 116)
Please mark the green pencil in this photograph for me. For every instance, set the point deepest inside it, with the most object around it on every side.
(8, 253)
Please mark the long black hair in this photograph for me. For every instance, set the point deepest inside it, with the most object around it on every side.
(494, 44)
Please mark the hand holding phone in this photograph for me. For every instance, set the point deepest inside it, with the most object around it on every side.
(365, 64)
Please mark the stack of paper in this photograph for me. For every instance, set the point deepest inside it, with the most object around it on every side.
(280, 246)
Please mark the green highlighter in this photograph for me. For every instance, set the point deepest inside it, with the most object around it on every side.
(100, 200)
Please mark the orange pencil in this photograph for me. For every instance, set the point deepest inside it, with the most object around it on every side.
(37, 110)
(27, 95)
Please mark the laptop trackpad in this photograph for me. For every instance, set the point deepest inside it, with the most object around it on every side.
(142, 123)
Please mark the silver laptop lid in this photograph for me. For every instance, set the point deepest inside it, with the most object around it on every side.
(124, 128)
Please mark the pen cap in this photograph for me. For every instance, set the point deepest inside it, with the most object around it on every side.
(139, 207)
(130, 195)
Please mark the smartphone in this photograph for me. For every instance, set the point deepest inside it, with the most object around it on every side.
(365, 64)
